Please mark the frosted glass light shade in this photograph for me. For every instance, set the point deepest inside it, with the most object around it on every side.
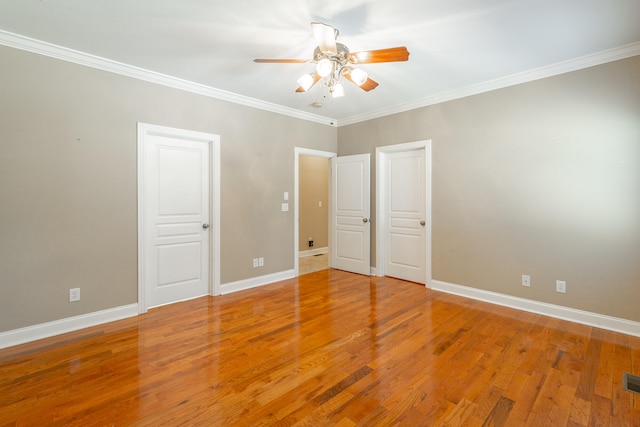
(358, 76)
(324, 67)
(306, 82)
(338, 90)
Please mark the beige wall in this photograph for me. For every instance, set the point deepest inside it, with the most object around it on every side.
(314, 188)
(68, 202)
(541, 178)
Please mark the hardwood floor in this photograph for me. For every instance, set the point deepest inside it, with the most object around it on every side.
(329, 348)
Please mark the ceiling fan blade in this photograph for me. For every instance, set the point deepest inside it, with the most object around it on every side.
(316, 79)
(326, 37)
(394, 54)
(281, 61)
(368, 85)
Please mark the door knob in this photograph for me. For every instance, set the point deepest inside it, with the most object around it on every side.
(422, 223)
(205, 225)
(365, 220)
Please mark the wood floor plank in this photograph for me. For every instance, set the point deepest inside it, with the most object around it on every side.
(499, 413)
(328, 348)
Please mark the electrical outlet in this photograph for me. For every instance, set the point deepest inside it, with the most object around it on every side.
(561, 286)
(74, 294)
(260, 262)
(526, 280)
(255, 262)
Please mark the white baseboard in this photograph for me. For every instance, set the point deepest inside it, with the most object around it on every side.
(254, 282)
(579, 316)
(57, 327)
(312, 252)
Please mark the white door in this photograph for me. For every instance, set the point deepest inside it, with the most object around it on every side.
(404, 204)
(176, 219)
(349, 247)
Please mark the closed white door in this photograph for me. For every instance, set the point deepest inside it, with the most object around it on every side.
(404, 205)
(349, 247)
(176, 219)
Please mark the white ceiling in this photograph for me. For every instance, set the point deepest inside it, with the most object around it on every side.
(454, 44)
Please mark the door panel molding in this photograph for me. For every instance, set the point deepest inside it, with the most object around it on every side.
(381, 216)
(145, 133)
(350, 226)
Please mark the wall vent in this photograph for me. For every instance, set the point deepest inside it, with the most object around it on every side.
(631, 382)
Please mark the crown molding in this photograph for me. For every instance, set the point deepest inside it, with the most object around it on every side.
(70, 55)
(54, 51)
(575, 64)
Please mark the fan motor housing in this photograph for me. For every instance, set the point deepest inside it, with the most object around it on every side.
(340, 57)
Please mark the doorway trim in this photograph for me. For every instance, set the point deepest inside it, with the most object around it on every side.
(145, 129)
(299, 151)
(381, 153)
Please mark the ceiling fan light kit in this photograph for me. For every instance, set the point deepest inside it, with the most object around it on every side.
(324, 67)
(333, 61)
(337, 90)
(306, 81)
(359, 76)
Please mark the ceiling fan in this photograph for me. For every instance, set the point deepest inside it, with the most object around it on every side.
(334, 61)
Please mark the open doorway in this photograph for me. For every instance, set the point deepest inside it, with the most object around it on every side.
(311, 246)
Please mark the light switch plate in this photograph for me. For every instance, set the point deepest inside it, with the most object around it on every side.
(286, 195)
(285, 207)
(74, 294)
